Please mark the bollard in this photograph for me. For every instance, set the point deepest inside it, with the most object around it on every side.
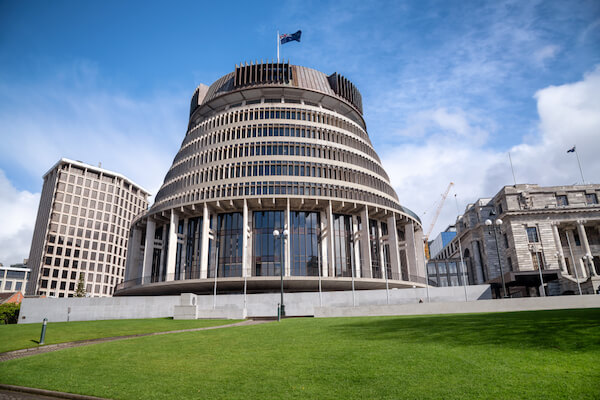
(43, 335)
(278, 312)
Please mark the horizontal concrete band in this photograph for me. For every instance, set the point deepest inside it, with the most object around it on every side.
(480, 306)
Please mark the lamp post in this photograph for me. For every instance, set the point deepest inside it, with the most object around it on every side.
(282, 236)
(496, 226)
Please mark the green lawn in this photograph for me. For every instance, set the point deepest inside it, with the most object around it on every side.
(22, 336)
(526, 355)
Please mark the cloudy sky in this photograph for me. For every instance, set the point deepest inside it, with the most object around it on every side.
(449, 88)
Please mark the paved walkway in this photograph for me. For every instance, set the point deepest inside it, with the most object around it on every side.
(11, 355)
(8, 392)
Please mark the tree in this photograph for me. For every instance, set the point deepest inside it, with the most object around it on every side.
(9, 313)
(80, 292)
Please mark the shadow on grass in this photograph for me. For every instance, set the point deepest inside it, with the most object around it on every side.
(563, 330)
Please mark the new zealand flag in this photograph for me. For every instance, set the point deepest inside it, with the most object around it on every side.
(286, 37)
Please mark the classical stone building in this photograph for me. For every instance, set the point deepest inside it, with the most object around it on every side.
(274, 146)
(82, 227)
(553, 228)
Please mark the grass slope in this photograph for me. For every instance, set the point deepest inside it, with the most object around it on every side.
(526, 355)
(16, 337)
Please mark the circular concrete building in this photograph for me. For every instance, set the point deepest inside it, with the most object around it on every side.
(274, 146)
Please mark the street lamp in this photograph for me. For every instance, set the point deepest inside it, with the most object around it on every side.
(283, 236)
(496, 226)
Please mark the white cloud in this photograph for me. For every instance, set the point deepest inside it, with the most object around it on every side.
(19, 209)
(569, 115)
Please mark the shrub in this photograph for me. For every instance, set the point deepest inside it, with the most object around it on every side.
(9, 313)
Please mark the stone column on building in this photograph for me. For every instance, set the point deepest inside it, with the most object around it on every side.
(287, 259)
(183, 258)
(411, 249)
(559, 249)
(589, 262)
(324, 240)
(356, 246)
(172, 246)
(245, 234)
(366, 270)
(576, 259)
(381, 255)
(133, 256)
(394, 250)
(205, 240)
(148, 249)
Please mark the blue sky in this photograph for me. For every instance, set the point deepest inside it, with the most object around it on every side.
(449, 88)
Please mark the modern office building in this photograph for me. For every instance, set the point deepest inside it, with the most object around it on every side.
(82, 227)
(274, 146)
(441, 241)
(14, 278)
(530, 229)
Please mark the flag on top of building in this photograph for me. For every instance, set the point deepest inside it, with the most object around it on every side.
(571, 150)
(288, 37)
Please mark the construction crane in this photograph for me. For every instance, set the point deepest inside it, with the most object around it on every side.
(434, 219)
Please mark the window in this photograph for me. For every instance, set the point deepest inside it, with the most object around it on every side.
(561, 200)
(591, 198)
(532, 235)
(505, 241)
(537, 259)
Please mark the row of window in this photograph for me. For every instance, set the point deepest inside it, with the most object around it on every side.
(92, 204)
(193, 145)
(242, 189)
(266, 168)
(289, 113)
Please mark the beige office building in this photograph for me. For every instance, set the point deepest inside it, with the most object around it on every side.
(82, 227)
(274, 146)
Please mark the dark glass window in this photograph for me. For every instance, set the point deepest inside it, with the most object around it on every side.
(561, 200)
(374, 243)
(304, 243)
(591, 198)
(229, 245)
(532, 234)
(193, 248)
(343, 245)
(267, 250)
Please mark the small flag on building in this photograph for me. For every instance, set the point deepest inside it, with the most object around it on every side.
(287, 37)
(571, 150)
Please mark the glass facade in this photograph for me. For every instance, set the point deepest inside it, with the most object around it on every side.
(374, 243)
(266, 258)
(305, 243)
(343, 245)
(193, 248)
(229, 245)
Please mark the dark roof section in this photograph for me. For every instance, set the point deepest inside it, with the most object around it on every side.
(281, 74)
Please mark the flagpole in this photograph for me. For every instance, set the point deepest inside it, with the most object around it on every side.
(578, 163)
(512, 169)
(277, 47)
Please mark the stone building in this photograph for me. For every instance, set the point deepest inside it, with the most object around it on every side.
(274, 146)
(82, 227)
(554, 228)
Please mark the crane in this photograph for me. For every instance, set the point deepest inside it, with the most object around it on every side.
(434, 219)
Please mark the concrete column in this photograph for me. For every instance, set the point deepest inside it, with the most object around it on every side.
(205, 238)
(576, 261)
(324, 240)
(381, 255)
(394, 250)
(135, 266)
(245, 232)
(148, 249)
(183, 261)
(286, 249)
(365, 245)
(356, 246)
(586, 247)
(330, 241)
(411, 249)
(559, 249)
(172, 247)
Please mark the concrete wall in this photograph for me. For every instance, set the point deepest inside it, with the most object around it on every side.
(497, 305)
(96, 308)
(256, 305)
